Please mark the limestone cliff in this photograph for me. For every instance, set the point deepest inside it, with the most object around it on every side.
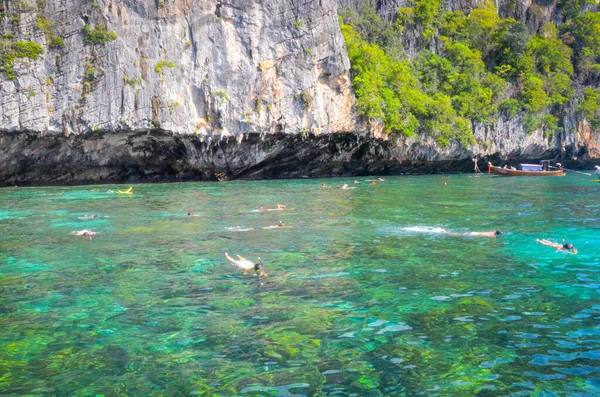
(184, 66)
(190, 89)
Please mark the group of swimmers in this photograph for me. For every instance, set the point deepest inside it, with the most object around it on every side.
(563, 247)
(345, 186)
(246, 265)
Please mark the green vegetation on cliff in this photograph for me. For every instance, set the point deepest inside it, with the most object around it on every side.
(483, 67)
(9, 52)
(97, 35)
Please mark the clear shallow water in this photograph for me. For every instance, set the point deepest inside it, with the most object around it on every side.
(364, 296)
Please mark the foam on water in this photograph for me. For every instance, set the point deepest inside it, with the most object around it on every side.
(416, 230)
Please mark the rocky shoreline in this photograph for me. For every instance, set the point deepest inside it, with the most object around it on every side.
(28, 159)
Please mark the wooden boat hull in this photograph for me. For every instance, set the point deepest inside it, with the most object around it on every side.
(505, 172)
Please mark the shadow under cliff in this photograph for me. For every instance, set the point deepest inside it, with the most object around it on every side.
(157, 156)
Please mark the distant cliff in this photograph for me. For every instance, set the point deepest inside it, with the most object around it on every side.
(109, 90)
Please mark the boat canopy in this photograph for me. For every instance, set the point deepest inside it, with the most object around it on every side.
(531, 167)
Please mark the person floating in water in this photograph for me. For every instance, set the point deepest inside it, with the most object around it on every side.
(280, 207)
(92, 216)
(493, 233)
(85, 232)
(280, 225)
(564, 247)
(191, 213)
(247, 265)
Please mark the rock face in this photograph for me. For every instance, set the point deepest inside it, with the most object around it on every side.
(185, 66)
(127, 156)
(194, 89)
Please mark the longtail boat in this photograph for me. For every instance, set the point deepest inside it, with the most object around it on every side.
(543, 169)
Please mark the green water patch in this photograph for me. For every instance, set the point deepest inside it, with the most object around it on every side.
(13, 265)
(365, 296)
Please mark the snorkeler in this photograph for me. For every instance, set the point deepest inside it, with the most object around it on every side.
(564, 247)
(493, 233)
(92, 216)
(85, 232)
(246, 265)
(280, 225)
(280, 207)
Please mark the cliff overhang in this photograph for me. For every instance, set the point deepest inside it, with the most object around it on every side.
(26, 158)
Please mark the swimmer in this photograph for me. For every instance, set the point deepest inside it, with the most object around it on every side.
(564, 247)
(280, 225)
(190, 213)
(85, 232)
(280, 207)
(323, 185)
(373, 183)
(92, 216)
(246, 265)
(445, 184)
(355, 181)
(493, 233)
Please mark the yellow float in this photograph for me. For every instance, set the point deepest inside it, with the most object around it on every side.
(128, 191)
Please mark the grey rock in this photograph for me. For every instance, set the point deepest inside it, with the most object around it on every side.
(240, 67)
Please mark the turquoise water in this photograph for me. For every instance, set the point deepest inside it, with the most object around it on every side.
(363, 297)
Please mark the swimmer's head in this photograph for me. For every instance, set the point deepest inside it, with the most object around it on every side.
(568, 246)
(259, 268)
(280, 224)
(189, 212)
(498, 232)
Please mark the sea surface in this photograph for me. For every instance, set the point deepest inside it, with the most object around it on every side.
(365, 295)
